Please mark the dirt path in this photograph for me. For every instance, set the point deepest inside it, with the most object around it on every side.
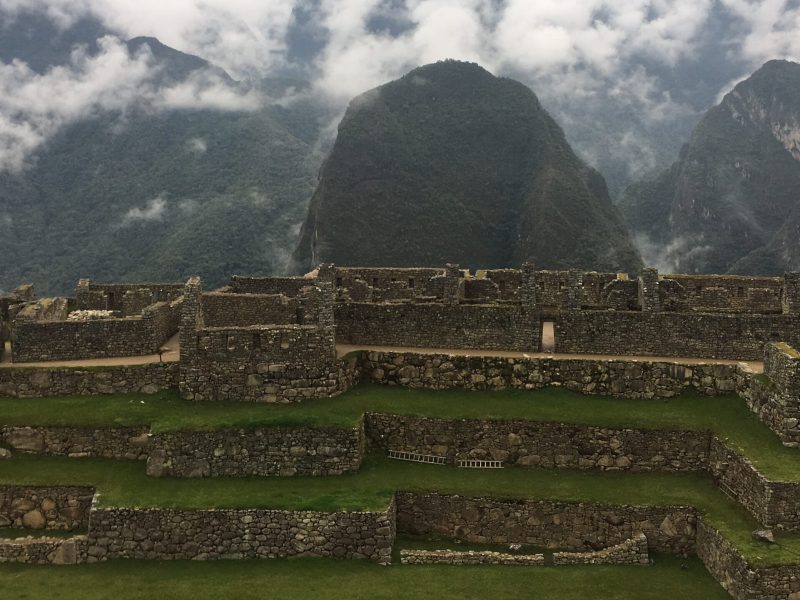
(752, 366)
(171, 354)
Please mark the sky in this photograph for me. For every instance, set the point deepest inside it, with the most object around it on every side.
(576, 54)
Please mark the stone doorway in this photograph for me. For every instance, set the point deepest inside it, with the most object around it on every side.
(548, 336)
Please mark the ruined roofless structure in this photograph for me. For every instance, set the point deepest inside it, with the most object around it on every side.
(279, 340)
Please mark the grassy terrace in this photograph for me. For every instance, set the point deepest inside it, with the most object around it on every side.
(728, 416)
(669, 577)
(123, 483)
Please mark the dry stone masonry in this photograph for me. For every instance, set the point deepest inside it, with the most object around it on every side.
(630, 552)
(274, 340)
(468, 557)
(173, 534)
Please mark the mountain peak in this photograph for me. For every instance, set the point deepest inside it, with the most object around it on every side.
(730, 202)
(453, 164)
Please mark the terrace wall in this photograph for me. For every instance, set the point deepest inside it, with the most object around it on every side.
(542, 445)
(436, 325)
(127, 443)
(178, 534)
(630, 552)
(742, 580)
(45, 507)
(468, 557)
(35, 382)
(704, 335)
(545, 523)
(44, 550)
(264, 364)
(772, 503)
(618, 378)
(260, 452)
(776, 401)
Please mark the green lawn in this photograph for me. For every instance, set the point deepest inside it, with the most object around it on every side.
(124, 483)
(728, 415)
(328, 579)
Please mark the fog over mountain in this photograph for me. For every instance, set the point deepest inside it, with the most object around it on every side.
(627, 81)
(732, 200)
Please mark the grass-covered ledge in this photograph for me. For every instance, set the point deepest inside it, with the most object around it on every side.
(727, 416)
(122, 483)
(328, 579)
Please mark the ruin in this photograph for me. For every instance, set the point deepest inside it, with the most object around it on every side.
(288, 340)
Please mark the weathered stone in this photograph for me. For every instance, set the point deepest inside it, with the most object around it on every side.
(764, 535)
(34, 520)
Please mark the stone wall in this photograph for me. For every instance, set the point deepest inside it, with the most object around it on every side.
(731, 292)
(508, 281)
(414, 279)
(177, 534)
(620, 378)
(541, 444)
(264, 364)
(111, 296)
(741, 580)
(288, 286)
(552, 288)
(34, 341)
(776, 401)
(45, 507)
(125, 443)
(436, 325)
(35, 382)
(244, 310)
(630, 552)
(44, 550)
(546, 523)
(468, 557)
(772, 503)
(73, 340)
(704, 335)
(280, 451)
(45, 310)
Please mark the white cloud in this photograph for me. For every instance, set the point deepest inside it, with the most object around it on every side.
(773, 28)
(34, 106)
(197, 145)
(573, 53)
(153, 210)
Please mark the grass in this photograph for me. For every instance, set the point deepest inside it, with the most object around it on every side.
(123, 483)
(328, 579)
(9, 533)
(728, 416)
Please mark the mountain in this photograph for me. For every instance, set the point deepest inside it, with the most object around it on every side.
(159, 194)
(731, 203)
(452, 164)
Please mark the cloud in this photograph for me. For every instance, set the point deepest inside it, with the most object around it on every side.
(154, 210)
(671, 257)
(577, 55)
(197, 145)
(34, 106)
(772, 28)
(188, 206)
